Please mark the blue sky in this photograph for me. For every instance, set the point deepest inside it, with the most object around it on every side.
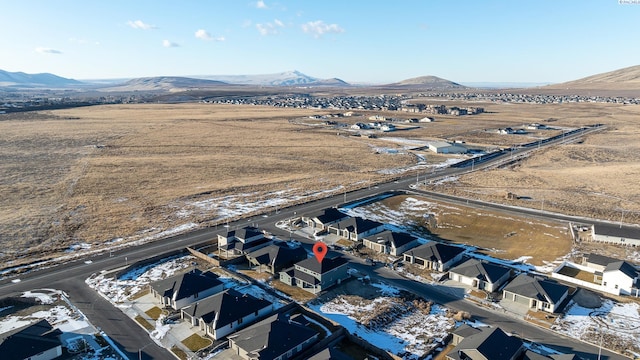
(357, 41)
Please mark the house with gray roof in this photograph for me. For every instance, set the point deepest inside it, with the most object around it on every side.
(183, 289)
(242, 241)
(390, 242)
(274, 338)
(275, 257)
(314, 276)
(355, 228)
(621, 277)
(616, 234)
(321, 219)
(481, 275)
(485, 344)
(434, 256)
(38, 341)
(226, 312)
(535, 293)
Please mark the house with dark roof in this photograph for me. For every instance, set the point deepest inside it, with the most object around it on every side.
(355, 228)
(610, 275)
(616, 276)
(621, 278)
(481, 275)
(390, 242)
(535, 293)
(484, 344)
(275, 257)
(225, 312)
(274, 338)
(616, 234)
(321, 219)
(434, 256)
(181, 290)
(314, 276)
(38, 341)
(242, 241)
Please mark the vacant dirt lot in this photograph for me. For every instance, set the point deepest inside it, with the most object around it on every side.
(89, 175)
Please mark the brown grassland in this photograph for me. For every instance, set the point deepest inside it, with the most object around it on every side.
(88, 175)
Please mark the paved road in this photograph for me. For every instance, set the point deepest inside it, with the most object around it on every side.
(131, 338)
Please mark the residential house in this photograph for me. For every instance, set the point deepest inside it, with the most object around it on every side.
(274, 338)
(242, 241)
(321, 219)
(480, 274)
(181, 290)
(314, 276)
(506, 131)
(36, 341)
(434, 256)
(387, 127)
(443, 147)
(615, 234)
(275, 257)
(360, 126)
(615, 276)
(355, 228)
(535, 293)
(225, 312)
(390, 242)
(484, 344)
(426, 119)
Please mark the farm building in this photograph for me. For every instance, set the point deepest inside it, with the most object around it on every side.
(443, 147)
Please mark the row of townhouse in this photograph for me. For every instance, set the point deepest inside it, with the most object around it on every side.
(536, 292)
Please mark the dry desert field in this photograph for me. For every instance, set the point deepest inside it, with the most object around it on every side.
(94, 174)
(596, 177)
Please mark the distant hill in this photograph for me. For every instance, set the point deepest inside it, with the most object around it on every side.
(164, 83)
(44, 80)
(621, 79)
(431, 82)
(287, 78)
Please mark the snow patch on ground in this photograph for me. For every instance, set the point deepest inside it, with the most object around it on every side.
(617, 324)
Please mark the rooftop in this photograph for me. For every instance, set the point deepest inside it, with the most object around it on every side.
(435, 251)
(534, 288)
(482, 270)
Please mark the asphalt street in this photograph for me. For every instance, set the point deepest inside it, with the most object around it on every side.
(135, 341)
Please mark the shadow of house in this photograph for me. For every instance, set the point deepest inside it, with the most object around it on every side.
(226, 312)
(276, 337)
(275, 257)
(536, 294)
(181, 290)
(38, 341)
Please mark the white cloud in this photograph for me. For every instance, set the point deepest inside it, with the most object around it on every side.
(205, 35)
(261, 5)
(318, 28)
(270, 28)
(169, 44)
(139, 24)
(44, 50)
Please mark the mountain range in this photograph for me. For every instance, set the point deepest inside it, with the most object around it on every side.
(623, 79)
(44, 80)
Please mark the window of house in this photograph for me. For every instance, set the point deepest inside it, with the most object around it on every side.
(616, 286)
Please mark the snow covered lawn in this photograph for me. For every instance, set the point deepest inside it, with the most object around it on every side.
(406, 327)
(617, 324)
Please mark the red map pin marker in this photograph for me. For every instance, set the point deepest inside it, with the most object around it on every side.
(320, 250)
